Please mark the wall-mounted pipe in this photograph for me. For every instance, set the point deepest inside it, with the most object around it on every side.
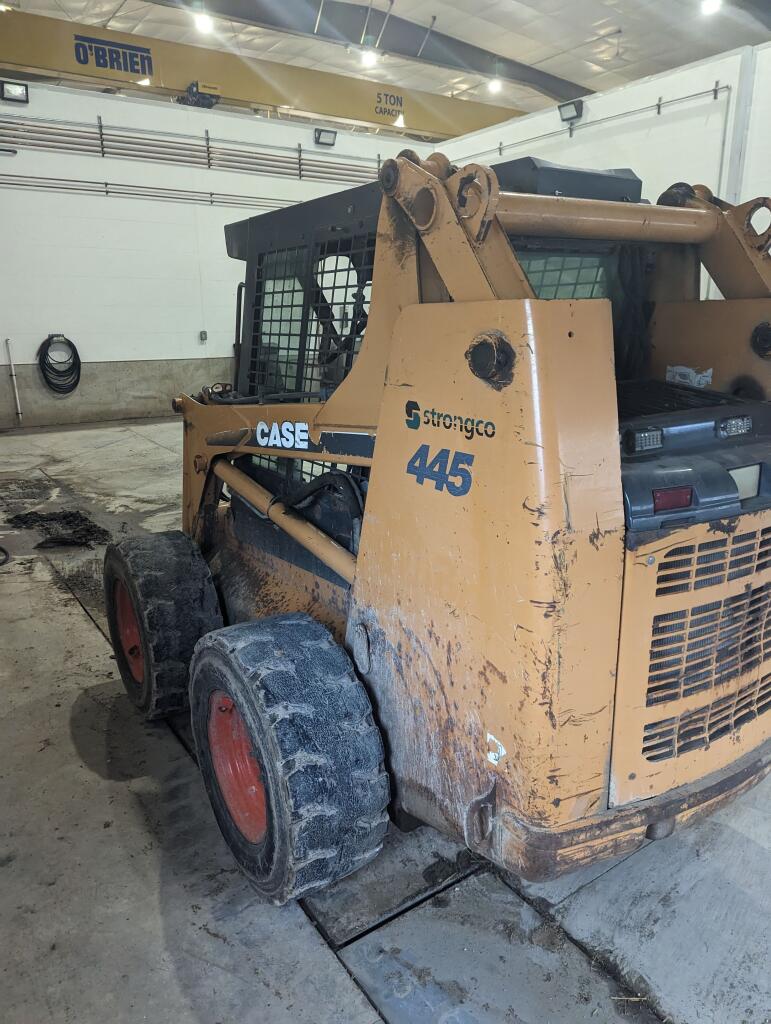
(316, 541)
(12, 374)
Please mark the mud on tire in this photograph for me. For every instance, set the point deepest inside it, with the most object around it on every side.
(312, 744)
(160, 600)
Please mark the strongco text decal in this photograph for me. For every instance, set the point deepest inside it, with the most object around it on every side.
(468, 425)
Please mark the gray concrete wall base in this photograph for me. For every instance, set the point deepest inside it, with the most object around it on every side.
(108, 391)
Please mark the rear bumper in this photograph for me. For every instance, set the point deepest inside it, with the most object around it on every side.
(538, 854)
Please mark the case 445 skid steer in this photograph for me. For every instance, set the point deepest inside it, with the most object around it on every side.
(482, 536)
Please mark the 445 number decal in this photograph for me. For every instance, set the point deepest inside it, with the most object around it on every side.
(448, 471)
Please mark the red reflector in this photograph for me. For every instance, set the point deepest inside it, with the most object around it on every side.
(665, 499)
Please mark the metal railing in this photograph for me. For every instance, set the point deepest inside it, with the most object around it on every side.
(125, 143)
(123, 190)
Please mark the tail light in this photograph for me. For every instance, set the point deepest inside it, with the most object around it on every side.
(667, 499)
(645, 439)
(735, 425)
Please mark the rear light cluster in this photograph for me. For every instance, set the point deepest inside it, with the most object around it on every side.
(668, 499)
(646, 440)
(735, 425)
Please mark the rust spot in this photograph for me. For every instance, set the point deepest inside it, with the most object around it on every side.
(538, 510)
(596, 536)
(726, 526)
(549, 607)
(489, 667)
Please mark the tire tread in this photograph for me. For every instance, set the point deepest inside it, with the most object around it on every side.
(331, 759)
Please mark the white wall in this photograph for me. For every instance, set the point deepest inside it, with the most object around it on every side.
(139, 279)
(136, 278)
(756, 176)
(690, 140)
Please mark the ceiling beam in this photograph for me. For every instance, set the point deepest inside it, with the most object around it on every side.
(759, 9)
(348, 23)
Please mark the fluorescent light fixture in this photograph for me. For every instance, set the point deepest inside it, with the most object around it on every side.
(710, 6)
(494, 85)
(324, 136)
(369, 58)
(14, 92)
(571, 111)
(399, 122)
(203, 22)
(9, 5)
(143, 81)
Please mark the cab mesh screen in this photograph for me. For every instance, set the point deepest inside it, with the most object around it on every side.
(310, 315)
(563, 276)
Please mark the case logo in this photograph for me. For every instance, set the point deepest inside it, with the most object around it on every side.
(282, 435)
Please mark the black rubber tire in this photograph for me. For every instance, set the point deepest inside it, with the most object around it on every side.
(310, 724)
(175, 603)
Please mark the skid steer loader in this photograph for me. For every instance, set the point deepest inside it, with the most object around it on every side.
(481, 538)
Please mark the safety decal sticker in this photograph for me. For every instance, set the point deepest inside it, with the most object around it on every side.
(688, 376)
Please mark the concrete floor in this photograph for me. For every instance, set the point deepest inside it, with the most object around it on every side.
(120, 902)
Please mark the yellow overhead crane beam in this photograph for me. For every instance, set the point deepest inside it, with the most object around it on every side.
(84, 53)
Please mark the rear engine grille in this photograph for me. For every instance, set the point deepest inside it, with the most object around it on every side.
(702, 647)
(696, 566)
(696, 730)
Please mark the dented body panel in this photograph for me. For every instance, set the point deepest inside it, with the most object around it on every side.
(493, 616)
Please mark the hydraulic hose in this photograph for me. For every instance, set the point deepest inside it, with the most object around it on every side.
(61, 375)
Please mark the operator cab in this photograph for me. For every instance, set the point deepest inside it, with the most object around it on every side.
(688, 453)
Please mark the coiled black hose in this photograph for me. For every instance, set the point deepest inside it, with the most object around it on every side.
(61, 375)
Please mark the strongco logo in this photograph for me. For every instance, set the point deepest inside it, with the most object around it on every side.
(134, 60)
(434, 418)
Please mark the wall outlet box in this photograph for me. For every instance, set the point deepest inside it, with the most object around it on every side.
(203, 337)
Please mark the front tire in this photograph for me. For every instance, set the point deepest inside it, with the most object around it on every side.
(160, 600)
(290, 755)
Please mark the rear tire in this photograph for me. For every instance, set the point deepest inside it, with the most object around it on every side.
(160, 600)
(295, 774)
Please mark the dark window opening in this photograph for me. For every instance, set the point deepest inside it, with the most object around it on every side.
(310, 317)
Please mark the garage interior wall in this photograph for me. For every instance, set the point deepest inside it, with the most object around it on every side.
(133, 281)
(702, 123)
(126, 256)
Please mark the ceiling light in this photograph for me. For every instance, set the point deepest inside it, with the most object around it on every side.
(369, 58)
(494, 85)
(399, 122)
(9, 5)
(324, 136)
(14, 92)
(203, 22)
(571, 111)
(143, 81)
(711, 6)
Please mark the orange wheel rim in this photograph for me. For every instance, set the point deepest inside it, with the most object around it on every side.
(238, 772)
(128, 631)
